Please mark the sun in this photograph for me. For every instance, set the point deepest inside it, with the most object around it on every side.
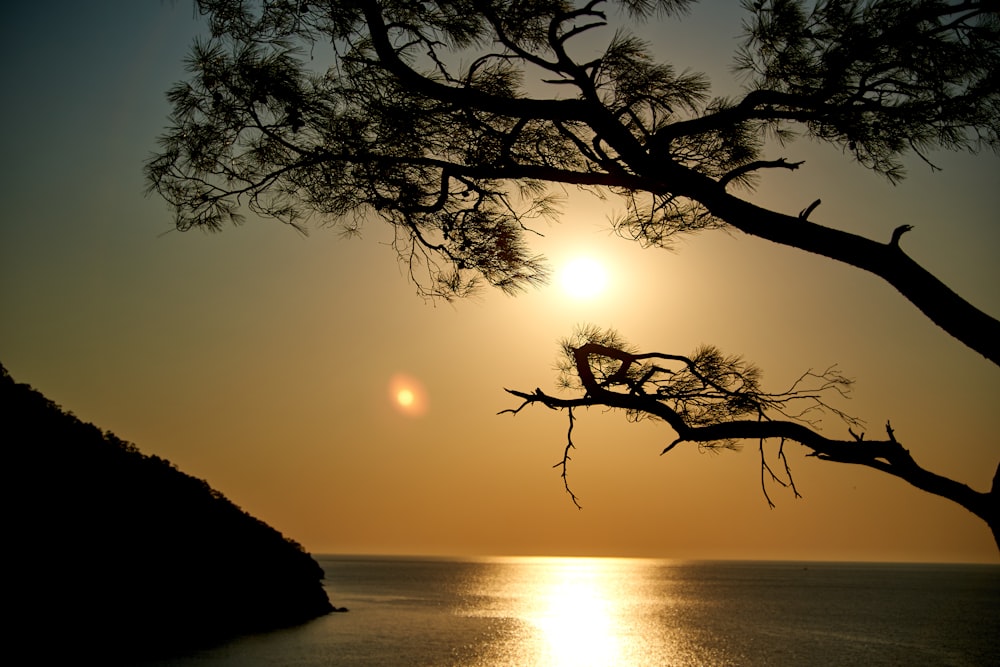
(583, 278)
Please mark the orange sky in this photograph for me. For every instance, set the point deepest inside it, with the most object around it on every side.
(263, 361)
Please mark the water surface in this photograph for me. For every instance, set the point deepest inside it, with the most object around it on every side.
(581, 612)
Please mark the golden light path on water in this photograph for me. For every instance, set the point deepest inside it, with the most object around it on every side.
(579, 620)
(584, 612)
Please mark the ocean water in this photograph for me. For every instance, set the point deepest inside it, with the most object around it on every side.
(583, 612)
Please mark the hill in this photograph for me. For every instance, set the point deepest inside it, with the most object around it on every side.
(118, 555)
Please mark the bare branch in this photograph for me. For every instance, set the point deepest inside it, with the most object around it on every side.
(897, 233)
(788, 470)
(763, 480)
(744, 169)
(804, 213)
(566, 459)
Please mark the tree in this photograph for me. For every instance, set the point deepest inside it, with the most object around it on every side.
(451, 119)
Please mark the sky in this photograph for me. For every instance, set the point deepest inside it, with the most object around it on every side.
(269, 363)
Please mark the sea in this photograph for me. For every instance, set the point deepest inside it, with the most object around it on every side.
(608, 612)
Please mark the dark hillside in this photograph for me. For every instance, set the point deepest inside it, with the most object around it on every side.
(114, 554)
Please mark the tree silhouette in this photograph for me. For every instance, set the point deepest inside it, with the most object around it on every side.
(450, 119)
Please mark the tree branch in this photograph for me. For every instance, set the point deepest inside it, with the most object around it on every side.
(929, 294)
(516, 107)
(745, 169)
(887, 456)
(706, 397)
(566, 458)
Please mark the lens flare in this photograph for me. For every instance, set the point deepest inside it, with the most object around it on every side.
(407, 395)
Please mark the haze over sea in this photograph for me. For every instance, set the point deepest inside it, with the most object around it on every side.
(600, 612)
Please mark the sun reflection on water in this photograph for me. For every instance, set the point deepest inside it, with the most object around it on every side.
(578, 619)
(578, 612)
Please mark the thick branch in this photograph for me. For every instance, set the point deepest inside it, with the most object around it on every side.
(516, 107)
(588, 110)
(936, 300)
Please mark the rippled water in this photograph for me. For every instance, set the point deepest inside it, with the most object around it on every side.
(580, 612)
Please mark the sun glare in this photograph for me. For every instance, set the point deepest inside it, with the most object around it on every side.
(407, 395)
(577, 626)
(583, 278)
